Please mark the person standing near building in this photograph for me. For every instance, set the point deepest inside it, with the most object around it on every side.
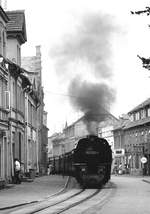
(17, 169)
(120, 169)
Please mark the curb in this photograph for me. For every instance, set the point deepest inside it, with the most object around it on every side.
(146, 181)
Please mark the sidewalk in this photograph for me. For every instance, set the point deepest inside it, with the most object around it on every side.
(26, 192)
(144, 178)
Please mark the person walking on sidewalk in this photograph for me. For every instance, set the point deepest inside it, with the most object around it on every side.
(17, 169)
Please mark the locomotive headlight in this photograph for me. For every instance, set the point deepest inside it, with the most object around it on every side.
(83, 169)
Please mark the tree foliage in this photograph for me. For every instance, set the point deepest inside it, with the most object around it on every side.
(145, 61)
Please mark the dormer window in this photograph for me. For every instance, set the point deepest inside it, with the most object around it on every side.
(148, 112)
(143, 113)
(137, 116)
(132, 117)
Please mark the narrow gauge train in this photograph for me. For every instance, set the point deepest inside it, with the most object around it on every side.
(90, 162)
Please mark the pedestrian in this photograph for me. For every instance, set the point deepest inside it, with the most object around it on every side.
(120, 169)
(49, 169)
(115, 169)
(17, 168)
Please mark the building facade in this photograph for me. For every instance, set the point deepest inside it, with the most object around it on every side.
(33, 67)
(19, 101)
(67, 140)
(134, 138)
(4, 108)
(105, 130)
(119, 141)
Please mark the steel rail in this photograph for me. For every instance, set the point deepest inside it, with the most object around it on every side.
(68, 204)
(51, 201)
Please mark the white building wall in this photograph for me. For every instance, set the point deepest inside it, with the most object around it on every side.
(13, 52)
(107, 133)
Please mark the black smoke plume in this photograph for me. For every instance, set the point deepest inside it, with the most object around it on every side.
(93, 99)
(91, 43)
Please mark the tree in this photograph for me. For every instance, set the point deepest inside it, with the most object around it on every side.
(145, 61)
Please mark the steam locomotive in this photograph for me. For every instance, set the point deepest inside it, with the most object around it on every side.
(90, 162)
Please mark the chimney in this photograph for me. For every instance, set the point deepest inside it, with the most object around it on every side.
(38, 51)
(5, 5)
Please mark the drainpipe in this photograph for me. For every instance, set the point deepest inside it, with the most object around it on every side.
(37, 143)
(26, 128)
(27, 115)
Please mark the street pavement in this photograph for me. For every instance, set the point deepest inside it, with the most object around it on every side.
(131, 195)
(143, 178)
(40, 188)
(28, 192)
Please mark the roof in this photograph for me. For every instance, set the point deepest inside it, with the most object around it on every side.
(83, 118)
(136, 123)
(3, 15)
(122, 123)
(16, 24)
(30, 63)
(140, 106)
(127, 124)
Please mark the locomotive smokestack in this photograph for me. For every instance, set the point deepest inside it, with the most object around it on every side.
(88, 53)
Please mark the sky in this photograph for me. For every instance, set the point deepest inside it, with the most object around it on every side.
(80, 37)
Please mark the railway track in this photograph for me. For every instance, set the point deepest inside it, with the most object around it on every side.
(72, 201)
(57, 204)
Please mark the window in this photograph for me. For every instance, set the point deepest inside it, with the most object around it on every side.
(148, 112)
(1, 93)
(18, 55)
(4, 44)
(0, 161)
(13, 100)
(137, 116)
(1, 43)
(132, 117)
(29, 112)
(7, 99)
(143, 113)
